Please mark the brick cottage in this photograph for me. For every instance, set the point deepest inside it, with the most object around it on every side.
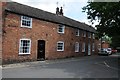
(30, 34)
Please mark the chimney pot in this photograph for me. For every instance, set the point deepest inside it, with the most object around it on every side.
(61, 11)
(57, 11)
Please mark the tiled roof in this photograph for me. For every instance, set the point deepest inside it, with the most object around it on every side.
(47, 16)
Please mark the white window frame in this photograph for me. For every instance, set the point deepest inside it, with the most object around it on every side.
(21, 46)
(93, 35)
(83, 47)
(77, 33)
(63, 29)
(26, 20)
(93, 47)
(62, 45)
(77, 47)
(89, 35)
(84, 33)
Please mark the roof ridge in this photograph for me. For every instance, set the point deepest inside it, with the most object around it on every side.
(30, 11)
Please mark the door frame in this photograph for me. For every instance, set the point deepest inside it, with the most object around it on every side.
(40, 56)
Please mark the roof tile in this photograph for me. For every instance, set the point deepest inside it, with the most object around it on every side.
(47, 16)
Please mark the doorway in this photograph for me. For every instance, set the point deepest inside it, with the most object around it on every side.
(89, 49)
(41, 50)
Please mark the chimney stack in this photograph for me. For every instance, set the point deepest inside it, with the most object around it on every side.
(59, 12)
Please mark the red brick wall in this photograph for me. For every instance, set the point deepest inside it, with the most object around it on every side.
(0, 30)
(41, 30)
(105, 45)
(2, 6)
(97, 45)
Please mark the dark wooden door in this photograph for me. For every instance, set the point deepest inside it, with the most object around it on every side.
(41, 50)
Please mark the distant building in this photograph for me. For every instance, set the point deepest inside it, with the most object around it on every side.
(105, 45)
(30, 34)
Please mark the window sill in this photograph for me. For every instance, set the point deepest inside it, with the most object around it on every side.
(60, 32)
(60, 50)
(26, 27)
(77, 51)
(83, 51)
(24, 53)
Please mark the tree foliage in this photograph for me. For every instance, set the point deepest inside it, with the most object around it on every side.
(107, 39)
(108, 16)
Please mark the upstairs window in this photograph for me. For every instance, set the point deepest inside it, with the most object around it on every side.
(26, 22)
(93, 36)
(84, 33)
(77, 33)
(60, 46)
(61, 29)
(76, 47)
(25, 45)
(89, 35)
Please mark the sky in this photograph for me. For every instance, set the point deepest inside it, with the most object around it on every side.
(71, 8)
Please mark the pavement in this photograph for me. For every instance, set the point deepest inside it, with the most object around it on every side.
(27, 64)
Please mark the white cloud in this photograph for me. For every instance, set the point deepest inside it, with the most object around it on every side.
(86, 21)
(48, 7)
(51, 5)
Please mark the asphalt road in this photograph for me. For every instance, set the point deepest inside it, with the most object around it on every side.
(80, 67)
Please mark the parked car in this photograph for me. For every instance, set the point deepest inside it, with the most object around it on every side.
(114, 51)
(105, 51)
(109, 50)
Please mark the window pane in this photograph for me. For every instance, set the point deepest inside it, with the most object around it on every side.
(59, 48)
(93, 47)
(26, 50)
(76, 47)
(21, 49)
(28, 44)
(83, 47)
(77, 32)
(60, 29)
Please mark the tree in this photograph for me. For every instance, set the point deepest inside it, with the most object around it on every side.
(106, 38)
(108, 16)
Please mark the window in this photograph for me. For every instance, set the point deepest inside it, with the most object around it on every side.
(93, 47)
(84, 33)
(60, 46)
(26, 22)
(61, 29)
(83, 47)
(93, 36)
(76, 47)
(25, 45)
(77, 33)
(89, 35)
